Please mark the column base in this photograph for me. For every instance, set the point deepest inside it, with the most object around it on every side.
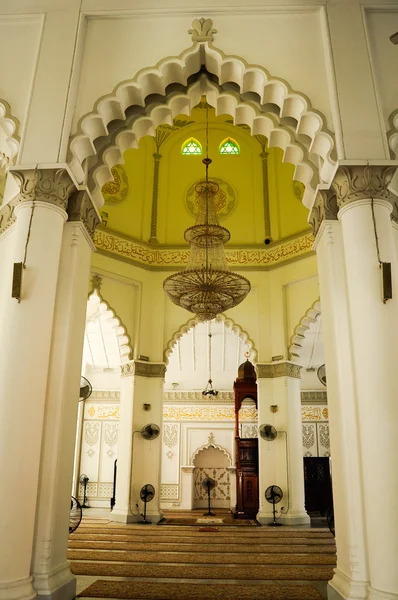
(299, 518)
(342, 587)
(58, 584)
(124, 517)
(17, 590)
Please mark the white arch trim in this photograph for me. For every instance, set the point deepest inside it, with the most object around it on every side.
(312, 315)
(266, 104)
(243, 335)
(9, 139)
(123, 338)
(207, 447)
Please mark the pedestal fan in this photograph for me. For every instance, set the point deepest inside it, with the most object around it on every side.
(75, 515)
(209, 484)
(274, 494)
(147, 494)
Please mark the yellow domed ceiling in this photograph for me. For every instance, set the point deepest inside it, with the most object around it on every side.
(152, 196)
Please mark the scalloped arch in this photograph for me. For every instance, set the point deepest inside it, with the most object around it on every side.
(207, 447)
(228, 323)
(9, 138)
(123, 338)
(266, 104)
(312, 314)
(392, 134)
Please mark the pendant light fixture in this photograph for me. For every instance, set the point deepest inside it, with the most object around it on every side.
(206, 287)
(209, 390)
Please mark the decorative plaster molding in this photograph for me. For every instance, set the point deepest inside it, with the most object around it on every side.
(312, 314)
(362, 182)
(324, 208)
(188, 470)
(158, 259)
(295, 119)
(169, 491)
(143, 369)
(208, 413)
(282, 369)
(10, 125)
(123, 338)
(198, 398)
(81, 208)
(202, 30)
(105, 395)
(229, 323)
(209, 445)
(44, 185)
(314, 397)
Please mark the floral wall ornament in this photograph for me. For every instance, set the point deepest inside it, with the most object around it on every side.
(202, 30)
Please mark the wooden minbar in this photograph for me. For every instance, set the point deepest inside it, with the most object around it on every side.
(245, 386)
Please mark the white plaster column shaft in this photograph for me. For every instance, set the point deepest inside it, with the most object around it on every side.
(26, 330)
(374, 329)
(281, 461)
(139, 462)
(351, 575)
(51, 573)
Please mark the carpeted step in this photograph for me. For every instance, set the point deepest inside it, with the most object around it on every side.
(196, 557)
(246, 572)
(210, 547)
(204, 538)
(129, 590)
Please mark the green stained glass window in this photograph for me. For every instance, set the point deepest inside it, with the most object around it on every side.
(229, 146)
(191, 147)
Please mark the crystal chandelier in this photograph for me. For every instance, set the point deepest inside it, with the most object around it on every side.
(206, 287)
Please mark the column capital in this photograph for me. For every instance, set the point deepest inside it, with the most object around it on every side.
(363, 182)
(324, 209)
(143, 369)
(279, 369)
(81, 208)
(52, 186)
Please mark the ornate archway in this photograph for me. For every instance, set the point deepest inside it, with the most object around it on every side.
(264, 103)
(311, 315)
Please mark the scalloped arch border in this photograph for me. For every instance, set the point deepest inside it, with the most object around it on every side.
(273, 97)
(392, 134)
(312, 314)
(9, 126)
(123, 338)
(243, 335)
(207, 446)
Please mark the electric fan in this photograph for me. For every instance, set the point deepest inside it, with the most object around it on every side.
(274, 494)
(75, 515)
(85, 389)
(268, 432)
(83, 479)
(322, 374)
(208, 483)
(150, 432)
(147, 493)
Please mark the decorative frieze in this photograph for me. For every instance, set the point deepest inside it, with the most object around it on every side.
(282, 369)
(314, 413)
(143, 369)
(100, 411)
(101, 395)
(198, 398)
(208, 413)
(314, 397)
(361, 182)
(144, 255)
(44, 185)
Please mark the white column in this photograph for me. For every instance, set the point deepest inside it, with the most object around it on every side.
(51, 573)
(350, 579)
(375, 350)
(281, 460)
(139, 462)
(26, 331)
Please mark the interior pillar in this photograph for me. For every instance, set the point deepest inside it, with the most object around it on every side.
(365, 206)
(26, 331)
(281, 461)
(51, 574)
(350, 578)
(139, 460)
